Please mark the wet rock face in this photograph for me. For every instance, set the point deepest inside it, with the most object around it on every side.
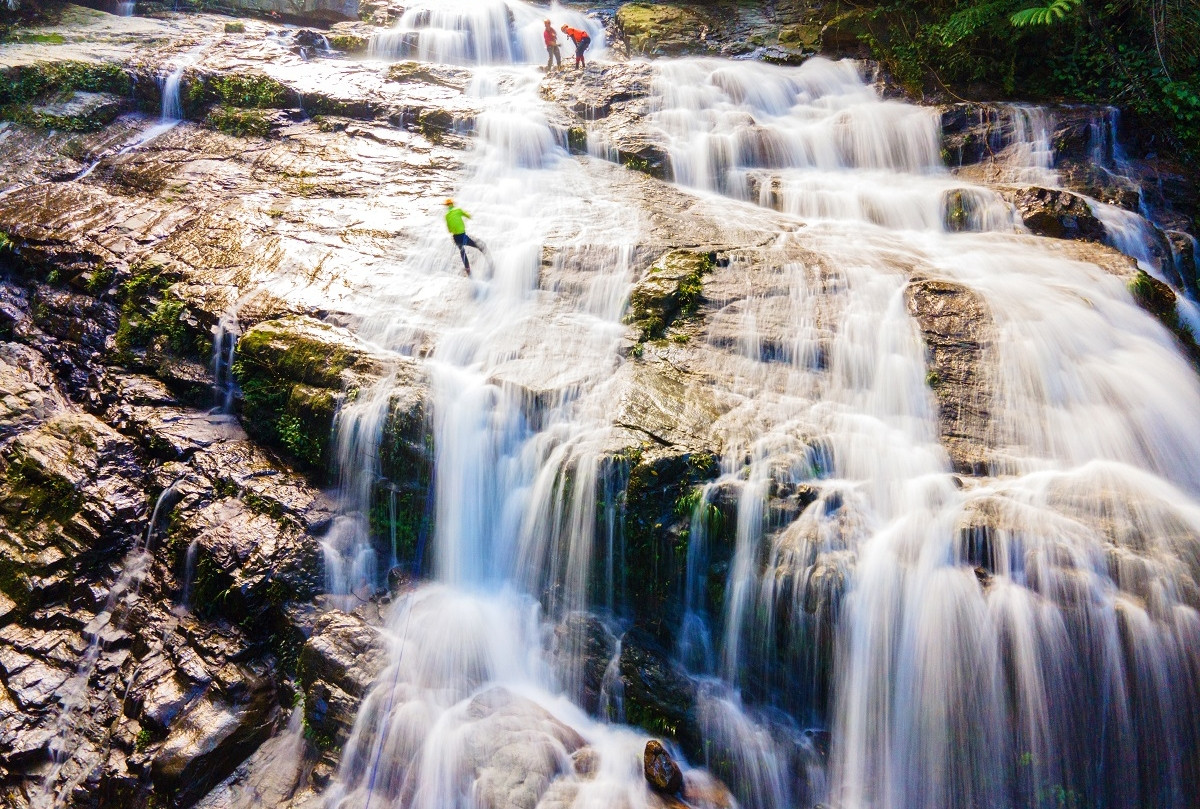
(662, 773)
(671, 288)
(954, 325)
(583, 649)
(1058, 214)
(659, 696)
(782, 31)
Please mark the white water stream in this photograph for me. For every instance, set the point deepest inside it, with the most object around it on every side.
(1029, 637)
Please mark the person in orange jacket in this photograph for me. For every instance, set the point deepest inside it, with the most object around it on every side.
(581, 40)
(553, 52)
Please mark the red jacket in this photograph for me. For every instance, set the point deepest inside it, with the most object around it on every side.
(575, 34)
(551, 36)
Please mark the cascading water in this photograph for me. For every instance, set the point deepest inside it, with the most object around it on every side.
(476, 32)
(125, 8)
(172, 105)
(907, 637)
(225, 337)
(73, 697)
(946, 693)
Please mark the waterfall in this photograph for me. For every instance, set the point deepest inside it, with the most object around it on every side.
(476, 32)
(225, 336)
(172, 106)
(125, 8)
(903, 633)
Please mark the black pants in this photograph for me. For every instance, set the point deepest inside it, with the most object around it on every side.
(463, 241)
(581, 46)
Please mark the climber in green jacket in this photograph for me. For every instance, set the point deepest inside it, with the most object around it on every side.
(458, 231)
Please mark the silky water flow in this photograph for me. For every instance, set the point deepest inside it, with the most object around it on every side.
(1010, 622)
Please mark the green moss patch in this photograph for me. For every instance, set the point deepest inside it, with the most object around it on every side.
(240, 123)
(245, 91)
(43, 80)
(1159, 300)
(673, 289)
(290, 372)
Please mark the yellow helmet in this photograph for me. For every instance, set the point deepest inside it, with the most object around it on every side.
(449, 202)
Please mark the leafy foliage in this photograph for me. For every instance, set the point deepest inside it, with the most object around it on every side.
(1141, 56)
(1044, 15)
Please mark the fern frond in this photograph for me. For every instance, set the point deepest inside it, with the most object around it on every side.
(964, 23)
(1044, 15)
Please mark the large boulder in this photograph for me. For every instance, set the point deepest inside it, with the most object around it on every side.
(514, 750)
(338, 663)
(1057, 213)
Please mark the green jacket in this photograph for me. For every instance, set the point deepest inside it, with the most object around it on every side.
(454, 220)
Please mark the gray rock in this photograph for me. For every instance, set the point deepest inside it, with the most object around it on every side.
(212, 737)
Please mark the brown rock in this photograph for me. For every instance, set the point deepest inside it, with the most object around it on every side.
(954, 323)
(662, 773)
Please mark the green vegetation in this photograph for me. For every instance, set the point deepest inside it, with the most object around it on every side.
(577, 140)
(142, 741)
(672, 290)
(1140, 56)
(21, 85)
(29, 12)
(291, 383)
(245, 91)
(1157, 298)
(37, 495)
(239, 123)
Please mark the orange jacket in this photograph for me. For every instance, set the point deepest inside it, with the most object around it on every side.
(575, 34)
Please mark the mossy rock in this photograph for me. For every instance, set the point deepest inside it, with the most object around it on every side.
(661, 29)
(806, 37)
(47, 80)
(659, 502)
(241, 123)
(1158, 299)
(155, 328)
(247, 91)
(74, 111)
(294, 373)
(348, 42)
(673, 288)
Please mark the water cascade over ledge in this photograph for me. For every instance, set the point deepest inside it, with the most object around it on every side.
(926, 601)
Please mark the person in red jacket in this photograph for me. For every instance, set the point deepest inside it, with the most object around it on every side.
(553, 52)
(581, 40)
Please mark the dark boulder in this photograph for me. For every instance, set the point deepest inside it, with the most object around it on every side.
(662, 773)
(1058, 214)
(583, 649)
(659, 695)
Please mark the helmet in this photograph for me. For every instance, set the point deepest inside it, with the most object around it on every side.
(564, 26)
(546, 21)
(449, 201)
